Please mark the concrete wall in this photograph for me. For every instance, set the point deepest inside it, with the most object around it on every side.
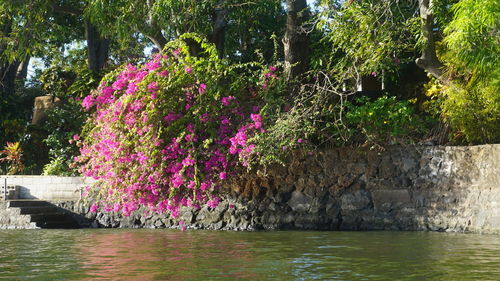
(47, 187)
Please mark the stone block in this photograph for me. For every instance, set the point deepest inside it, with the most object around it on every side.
(355, 200)
(299, 202)
(389, 199)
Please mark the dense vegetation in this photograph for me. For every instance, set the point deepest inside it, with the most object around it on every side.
(168, 115)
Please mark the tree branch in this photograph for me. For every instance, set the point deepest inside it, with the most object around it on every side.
(67, 10)
(428, 60)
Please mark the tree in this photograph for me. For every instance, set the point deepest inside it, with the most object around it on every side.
(295, 41)
(455, 42)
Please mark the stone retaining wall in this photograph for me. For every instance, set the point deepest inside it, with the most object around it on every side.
(401, 188)
(10, 218)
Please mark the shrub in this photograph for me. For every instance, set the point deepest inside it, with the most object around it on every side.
(384, 120)
(473, 113)
(69, 82)
(13, 156)
(165, 134)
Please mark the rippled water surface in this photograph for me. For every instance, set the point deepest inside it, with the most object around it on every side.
(289, 255)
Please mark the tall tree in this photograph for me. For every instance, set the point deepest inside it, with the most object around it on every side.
(296, 44)
(97, 45)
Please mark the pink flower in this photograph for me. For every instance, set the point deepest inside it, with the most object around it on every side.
(119, 84)
(256, 117)
(76, 137)
(188, 162)
(93, 208)
(132, 88)
(176, 180)
(163, 73)
(222, 175)
(272, 68)
(205, 186)
(300, 140)
(172, 117)
(152, 87)
(205, 117)
(214, 202)
(202, 88)
(88, 102)
(152, 65)
(226, 101)
(188, 69)
(191, 185)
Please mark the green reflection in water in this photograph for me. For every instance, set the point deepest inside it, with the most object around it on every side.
(289, 255)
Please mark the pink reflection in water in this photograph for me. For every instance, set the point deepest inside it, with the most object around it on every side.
(164, 255)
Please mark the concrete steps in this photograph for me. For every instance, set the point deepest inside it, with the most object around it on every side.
(42, 213)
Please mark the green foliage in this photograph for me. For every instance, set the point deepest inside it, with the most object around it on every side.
(321, 117)
(470, 101)
(58, 167)
(251, 25)
(473, 112)
(369, 36)
(473, 41)
(69, 83)
(384, 121)
(63, 123)
(30, 27)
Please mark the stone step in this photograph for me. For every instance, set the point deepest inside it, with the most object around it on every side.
(57, 224)
(49, 217)
(38, 210)
(28, 203)
(42, 213)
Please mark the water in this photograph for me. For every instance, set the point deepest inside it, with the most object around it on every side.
(289, 255)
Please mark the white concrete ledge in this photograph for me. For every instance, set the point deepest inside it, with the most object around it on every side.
(47, 187)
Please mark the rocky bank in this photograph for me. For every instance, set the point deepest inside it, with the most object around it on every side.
(401, 188)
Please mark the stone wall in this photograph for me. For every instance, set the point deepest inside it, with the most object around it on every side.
(46, 187)
(11, 218)
(401, 188)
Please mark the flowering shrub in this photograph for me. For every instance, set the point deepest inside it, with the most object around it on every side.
(165, 134)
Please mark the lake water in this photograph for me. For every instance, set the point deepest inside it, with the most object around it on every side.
(105, 254)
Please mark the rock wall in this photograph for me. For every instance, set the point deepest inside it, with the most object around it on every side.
(12, 219)
(401, 188)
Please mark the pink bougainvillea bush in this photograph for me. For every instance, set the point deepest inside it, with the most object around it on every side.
(167, 133)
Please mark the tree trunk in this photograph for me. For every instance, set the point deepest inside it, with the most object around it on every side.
(8, 73)
(219, 27)
(153, 33)
(7, 69)
(429, 61)
(97, 48)
(296, 39)
(22, 70)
